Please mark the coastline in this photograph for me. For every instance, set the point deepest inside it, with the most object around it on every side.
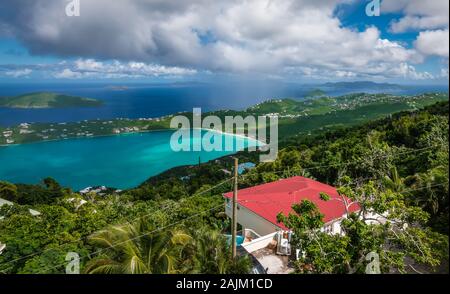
(260, 143)
(84, 137)
(60, 148)
(236, 135)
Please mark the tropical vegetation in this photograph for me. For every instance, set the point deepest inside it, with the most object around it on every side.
(174, 223)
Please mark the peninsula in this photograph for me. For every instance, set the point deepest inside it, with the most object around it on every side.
(305, 117)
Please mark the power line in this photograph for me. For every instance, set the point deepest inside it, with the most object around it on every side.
(90, 255)
(142, 216)
(279, 202)
(346, 163)
(212, 188)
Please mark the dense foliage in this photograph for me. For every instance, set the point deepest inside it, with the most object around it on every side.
(71, 222)
(407, 152)
(397, 165)
(385, 228)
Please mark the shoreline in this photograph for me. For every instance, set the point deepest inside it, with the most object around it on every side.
(236, 135)
(134, 133)
(230, 153)
(84, 137)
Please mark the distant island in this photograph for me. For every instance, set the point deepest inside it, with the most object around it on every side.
(305, 117)
(363, 85)
(118, 88)
(47, 100)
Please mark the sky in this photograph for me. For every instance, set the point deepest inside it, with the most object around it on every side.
(168, 40)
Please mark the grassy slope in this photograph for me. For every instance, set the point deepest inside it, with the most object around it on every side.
(330, 112)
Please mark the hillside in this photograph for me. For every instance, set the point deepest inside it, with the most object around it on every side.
(401, 140)
(323, 105)
(327, 113)
(316, 93)
(47, 100)
(410, 166)
(362, 85)
(295, 117)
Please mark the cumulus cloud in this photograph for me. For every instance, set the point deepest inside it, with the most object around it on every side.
(433, 43)
(68, 74)
(419, 14)
(431, 18)
(85, 68)
(410, 72)
(90, 68)
(20, 73)
(153, 37)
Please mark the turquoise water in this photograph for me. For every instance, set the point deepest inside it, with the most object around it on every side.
(122, 161)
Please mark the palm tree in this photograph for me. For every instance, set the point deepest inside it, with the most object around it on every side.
(431, 189)
(394, 181)
(211, 254)
(138, 249)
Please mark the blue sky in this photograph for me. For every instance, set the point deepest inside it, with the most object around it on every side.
(292, 40)
(353, 15)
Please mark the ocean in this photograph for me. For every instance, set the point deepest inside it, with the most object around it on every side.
(124, 161)
(121, 161)
(155, 100)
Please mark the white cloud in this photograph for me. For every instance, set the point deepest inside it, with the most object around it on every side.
(68, 74)
(419, 14)
(19, 73)
(433, 43)
(419, 23)
(88, 64)
(410, 72)
(431, 18)
(84, 68)
(163, 37)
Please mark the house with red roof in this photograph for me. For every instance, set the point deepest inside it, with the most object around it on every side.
(258, 207)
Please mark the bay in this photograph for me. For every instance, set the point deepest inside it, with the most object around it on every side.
(145, 100)
(121, 161)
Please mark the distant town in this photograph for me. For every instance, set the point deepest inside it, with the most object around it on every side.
(290, 112)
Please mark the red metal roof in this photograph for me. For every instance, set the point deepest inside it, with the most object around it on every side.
(269, 199)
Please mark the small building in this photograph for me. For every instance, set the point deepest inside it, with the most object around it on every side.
(7, 134)
(245, 166)
(2, 247)
(266, 240)
(6, 202)
(25, 131)
(225, 171)
(86, 190)
(259, 206)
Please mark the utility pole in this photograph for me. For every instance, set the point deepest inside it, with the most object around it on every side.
(234, 219)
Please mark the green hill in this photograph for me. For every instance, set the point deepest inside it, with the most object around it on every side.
(47, 100)
(316, 93)
(326, 105)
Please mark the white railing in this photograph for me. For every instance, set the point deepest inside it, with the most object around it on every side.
(259, 243)
(251, 234)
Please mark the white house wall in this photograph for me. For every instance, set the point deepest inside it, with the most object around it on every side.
(250, 220)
